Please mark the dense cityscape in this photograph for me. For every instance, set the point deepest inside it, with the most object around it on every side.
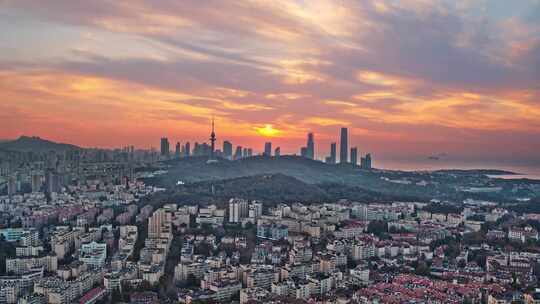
(272, 152)
(81, 225)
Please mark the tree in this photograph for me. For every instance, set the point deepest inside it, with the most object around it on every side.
(203, 248)
(422, 269)
(442, 208)
(207, 228)
(377, 227)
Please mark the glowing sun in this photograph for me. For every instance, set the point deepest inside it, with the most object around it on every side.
(268, 130)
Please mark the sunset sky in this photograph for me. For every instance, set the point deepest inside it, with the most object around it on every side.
(410, 78)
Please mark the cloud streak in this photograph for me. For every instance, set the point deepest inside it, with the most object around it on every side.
(408, 71)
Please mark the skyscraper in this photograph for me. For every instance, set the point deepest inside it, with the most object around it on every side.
(238, 153)
(177, 151)
(187, 150)
(238, 209)
(365, 162)
(344, 146)
(333, 152)
(11, 186)
(227, 149)
(165, 147)
(36, 182)
(310, 147)
(277, 152)
(354, 156)
(303, 151)
(52, 181)
(268, 149)
(156, 222)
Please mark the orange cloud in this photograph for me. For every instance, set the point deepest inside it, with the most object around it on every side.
(325, 121)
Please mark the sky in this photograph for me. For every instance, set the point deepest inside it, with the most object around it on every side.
(410, 78)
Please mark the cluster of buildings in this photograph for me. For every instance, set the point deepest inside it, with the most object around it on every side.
(58, 249)
(330, 253)
(351, 156)
(248, 252)
(51, 171)
(85, 244)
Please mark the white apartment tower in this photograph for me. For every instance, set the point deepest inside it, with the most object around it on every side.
(238, 209)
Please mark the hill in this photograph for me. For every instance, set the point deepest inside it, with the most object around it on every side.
(475, 172)
(335, 181)
(268, 188)
(196, 169)
(310, 172)
(34, 144)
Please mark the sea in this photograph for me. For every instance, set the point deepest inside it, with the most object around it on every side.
(530, 171)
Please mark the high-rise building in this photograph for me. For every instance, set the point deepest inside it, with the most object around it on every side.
(165, 147)
(310, 147)
(267, 149)
(187, 150)
(238, 209)
(177, 150)
(277, 152)
(36, 182)
(238, 153)
(11, 186)
(303, 151)
(344, 146)
(203, 149)
(250, 152)
(52, 182)
(333, 152)
(227, 149)
(354, 156)
(365, 162)
(245, 153)
(156, 222)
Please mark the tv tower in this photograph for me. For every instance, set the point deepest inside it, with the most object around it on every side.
(212, 141)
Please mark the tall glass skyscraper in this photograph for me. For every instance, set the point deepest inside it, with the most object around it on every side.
(268, 149)
(333, 152)
(310, 147)
(354, 155)
(344, 146)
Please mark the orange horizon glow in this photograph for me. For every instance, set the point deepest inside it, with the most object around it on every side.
(407, 78)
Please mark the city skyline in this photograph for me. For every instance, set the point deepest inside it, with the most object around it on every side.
(307, 151)
(149, 71)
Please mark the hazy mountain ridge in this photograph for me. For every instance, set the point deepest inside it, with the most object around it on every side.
(196, 169)
(332, 178)
(35, 144)
(270, 189)
(476, 171)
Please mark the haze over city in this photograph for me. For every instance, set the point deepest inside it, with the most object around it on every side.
(410, 79)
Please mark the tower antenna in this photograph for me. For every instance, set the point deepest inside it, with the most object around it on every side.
(212, 141)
